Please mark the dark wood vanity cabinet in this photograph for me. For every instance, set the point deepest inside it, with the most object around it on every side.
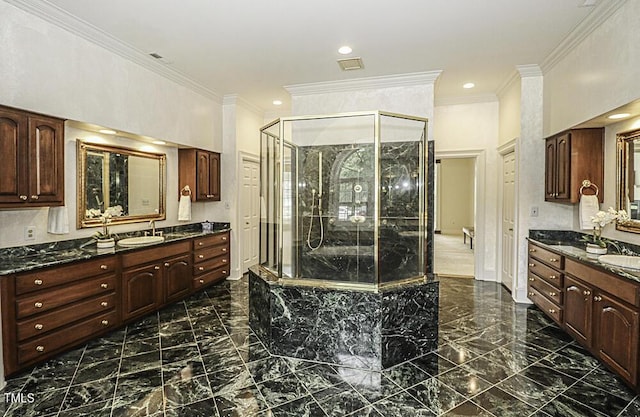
(200, 170)
(31, 159)
(211, 259)
(545, 280)
(599, 309)
(154, 276)
(571, 157)
(47, 311)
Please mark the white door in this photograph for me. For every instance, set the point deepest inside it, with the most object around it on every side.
(250, 212)
(508, 217)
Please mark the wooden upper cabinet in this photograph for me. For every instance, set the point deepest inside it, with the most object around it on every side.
(570, 158)
(200, 170)
(31, 159)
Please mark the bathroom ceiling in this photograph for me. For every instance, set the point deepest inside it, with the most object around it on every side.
(254, 48)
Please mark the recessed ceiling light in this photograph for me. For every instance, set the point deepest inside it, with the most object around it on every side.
(345, 50)
(159, 142)
(619, 116)
(107, 131)
(277, 102)
(468, 85)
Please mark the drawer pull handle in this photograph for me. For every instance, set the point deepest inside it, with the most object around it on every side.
(34, 197)
(597, 298)
(200, 243)
(224, 261)
(167, 264)
(201, 281)
(531, 293)
(531, 250)
(200, 256)
(104, 267)
(532, 279)
(531, 265)
(38, 326)
(224, 238)
(23, 197)
(224, 250)
(38, 304)
(224, 272)
(552, 277)
(105, 322)
(40, 348)
(104, 304)
(201, 268)
(552, 294)
(38, 282)
(552, 310)
(553, 260)
(156, 267)
(104, 285)
(586, 292)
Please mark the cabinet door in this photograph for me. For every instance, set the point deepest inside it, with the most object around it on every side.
(563, 167)
(141, 290)
(46, 156)
(550, 170)
(202, 169)
(616, 336)
(577, 310)
(214, 176)
(177, 277)
(13, 151)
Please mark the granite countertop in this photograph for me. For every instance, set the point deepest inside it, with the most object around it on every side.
(27, 258)
(575, 250)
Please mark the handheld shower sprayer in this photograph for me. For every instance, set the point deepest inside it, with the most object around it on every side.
(313, 201)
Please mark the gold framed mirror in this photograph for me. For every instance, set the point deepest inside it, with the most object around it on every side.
(126, 184)
(628, 146)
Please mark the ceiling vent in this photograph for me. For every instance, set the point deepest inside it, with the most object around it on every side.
(159, 58)
(350, 64)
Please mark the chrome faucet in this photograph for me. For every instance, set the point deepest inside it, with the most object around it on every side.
(152, 225)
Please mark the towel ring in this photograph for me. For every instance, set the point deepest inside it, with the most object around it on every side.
(588, 184)
(185, 190)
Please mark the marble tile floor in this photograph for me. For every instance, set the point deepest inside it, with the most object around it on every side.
(200, 358)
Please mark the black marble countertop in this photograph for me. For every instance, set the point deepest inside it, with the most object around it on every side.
(27, 258)
(570, 246)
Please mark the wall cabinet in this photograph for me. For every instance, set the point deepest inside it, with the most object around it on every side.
(570, 158)
(600, 310)
(31, 159)
(200, 170)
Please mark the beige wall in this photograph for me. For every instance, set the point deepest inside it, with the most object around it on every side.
(456, 199)
(509, 124)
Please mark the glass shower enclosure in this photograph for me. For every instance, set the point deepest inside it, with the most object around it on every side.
(344, 199)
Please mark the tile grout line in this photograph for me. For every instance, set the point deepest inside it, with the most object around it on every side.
(71, 380)
(115, 388)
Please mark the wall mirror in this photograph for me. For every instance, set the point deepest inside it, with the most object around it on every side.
(125, 184)
(628, 145)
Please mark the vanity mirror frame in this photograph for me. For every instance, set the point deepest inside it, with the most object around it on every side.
(83, 148)
(625, 172)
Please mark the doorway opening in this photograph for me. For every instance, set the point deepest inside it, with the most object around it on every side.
(455, 200)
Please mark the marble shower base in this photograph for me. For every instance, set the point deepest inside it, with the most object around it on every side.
(359, 329)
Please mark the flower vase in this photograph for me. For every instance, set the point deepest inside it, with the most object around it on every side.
(595, 249)
(106, 243)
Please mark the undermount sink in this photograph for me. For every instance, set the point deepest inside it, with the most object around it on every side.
(140, 240)
(622, 261)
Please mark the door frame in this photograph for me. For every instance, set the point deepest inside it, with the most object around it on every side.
(504, 150)
(242, 157)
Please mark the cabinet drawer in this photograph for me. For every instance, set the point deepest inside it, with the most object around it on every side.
(44, 323)
(546, 256)
(549, 274)
(546, 289)
(205, 254)
(217, 239)
(160, 252)
(546, 305)
(48, 300)
(210, 278)
(50, 277)
(65, 337)
(624, 289)
(208, 266)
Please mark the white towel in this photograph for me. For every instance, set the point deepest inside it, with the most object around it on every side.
(184, 208)
(58, 221)
(589, 206)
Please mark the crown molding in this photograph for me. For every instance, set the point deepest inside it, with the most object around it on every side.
(513, 77)
(530, 70)
(64, 20)
(369, 83)
(235, 99)
(470, 99)
(600, 14)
